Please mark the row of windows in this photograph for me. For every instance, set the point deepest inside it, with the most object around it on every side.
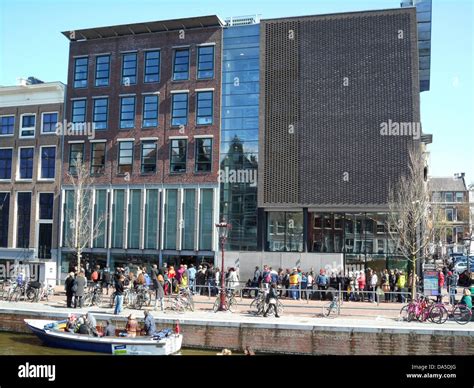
(448, 196)
(26, 161)
(28, 124)
(23, 214)
(148, 158)
(152, 68)
(179, 110)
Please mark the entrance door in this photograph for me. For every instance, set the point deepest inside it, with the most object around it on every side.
(45, 240)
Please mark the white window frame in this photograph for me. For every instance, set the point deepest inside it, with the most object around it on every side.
(11, 171)
(39, 221)
(27, 128)
(40, 162)
(18, 162)
(10, 115)
(15, 217)
(42, 120)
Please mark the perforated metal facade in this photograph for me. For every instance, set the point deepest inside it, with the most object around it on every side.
(336, 79)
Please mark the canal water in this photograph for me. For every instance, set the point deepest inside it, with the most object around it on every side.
(30, 345)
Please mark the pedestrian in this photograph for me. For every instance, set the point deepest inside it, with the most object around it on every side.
(373, 286)
(401, 282)
(272, 301)
(106, 279)
(392, 281)
(452, 286)
(440, 285)
(386, 285)
(119, 289)
(361, 284)
(322, 282)
(95, 276)
(466, 298)
(192, 277)
(132, 326)
(81, 283)
(149, 324)
(69, 288)
(233, 279)
(159, 292)
(109, 330)
(294, 283)
(92, 323)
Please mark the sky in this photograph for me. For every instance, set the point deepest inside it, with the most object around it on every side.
(31, 44)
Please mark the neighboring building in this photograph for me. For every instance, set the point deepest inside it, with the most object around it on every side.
(152, 93)
(30, 170)
(450, 200)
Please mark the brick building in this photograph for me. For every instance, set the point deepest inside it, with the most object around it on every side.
(150, 93)
(30, 170)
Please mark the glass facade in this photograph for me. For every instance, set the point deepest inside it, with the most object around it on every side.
(285, 232)
(4, 218)
(100, 213)
(239, 135)
(171, 213)
(118, 211)
(206, 224)
(151, 219)
(189, 221)
(134, 225)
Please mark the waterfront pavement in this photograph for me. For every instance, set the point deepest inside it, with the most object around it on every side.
(360, 315)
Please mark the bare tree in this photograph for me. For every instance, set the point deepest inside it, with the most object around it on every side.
(409, 221)
(84, 229)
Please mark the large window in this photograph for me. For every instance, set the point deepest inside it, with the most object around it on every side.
(285, 232)
(134, 222)
(45, 225)
(148, 162)
(100, 113)
(129, 69)
(98, 158)
(100, 217)
(7, 125)
(80, 72)
(4, 218)
(127, 112)
(78, 111)
(6, 155)
(23, 213)
(205, 62)
(204, 108)
(46, 201)
(203, 155)
(178, 155)
(76, 152)
(189, 218)
(151, 219)
(179, 113)
(125, 157)
(68, 224)
(28, 123)
(118, 218)
(152, 66)
(48, 162)
(449, 215)
(459, 196)
(26, 163)
(171, 213)
(206, 216)
(49, 122)
(181, 64)
(102, 70)
(448, 197)
(150, 111)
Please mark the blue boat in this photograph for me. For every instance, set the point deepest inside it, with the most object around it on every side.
(112, 345)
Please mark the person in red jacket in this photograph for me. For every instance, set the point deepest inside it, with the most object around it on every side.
(440, 284)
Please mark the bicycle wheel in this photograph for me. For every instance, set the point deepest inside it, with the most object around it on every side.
(327, 309)
(462, 314)
(98, 300)
(280, 307)
(216, 305)
(87, 300)
(231, 303)
(112, 300)
(437, 314)
(190, 303)
(31, 295)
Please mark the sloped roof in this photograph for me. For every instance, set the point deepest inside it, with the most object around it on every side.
(447, 184)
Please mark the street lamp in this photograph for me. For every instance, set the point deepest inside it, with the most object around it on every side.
(223, 229)
(468, 240)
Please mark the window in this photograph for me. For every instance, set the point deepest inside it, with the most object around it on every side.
(448, 197)
(285, 233)
(127, 112)
(125, 160)
(76, 152)
(7, 125)
(205, 219)
(459, 197)
(148, 164)
(46, 201)
(152, 66)
(49, 122)
(171, 215)
(203, 155)
(4, 219)
(204, 108)
(100, 213)
(26, 163)
(179, 114)
(151, 219)
(28, 122)
(181, 65)
(80, 72)
(129, 69)
(23, 213)
(134, 222)
(189, 219)
(100, 113)
(205, 62)
(97, 158)
(150, 111)
(6, 155)
(48, 162)
(178, 155)
(118, 218)
(449, 215)
(78, 111)
(102, 70)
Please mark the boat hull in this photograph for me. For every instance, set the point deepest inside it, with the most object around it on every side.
(108, 345)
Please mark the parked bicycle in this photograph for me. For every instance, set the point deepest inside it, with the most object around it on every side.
(142, 297)
(181, 302)
(259, 303)
(93, 296)
(332, 308)
(229, 301)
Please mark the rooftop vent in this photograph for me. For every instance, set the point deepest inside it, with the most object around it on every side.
(242, 20)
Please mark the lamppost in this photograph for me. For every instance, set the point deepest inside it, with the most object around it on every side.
(467, 242)
(223, 228)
